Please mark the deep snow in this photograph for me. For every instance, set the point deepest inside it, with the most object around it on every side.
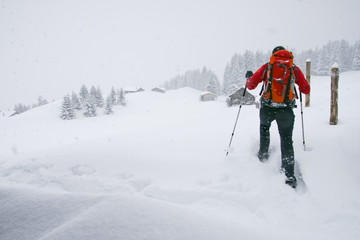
(156, 169)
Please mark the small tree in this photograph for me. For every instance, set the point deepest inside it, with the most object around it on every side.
(90, 107)
(233, 75)
(356, 59)
(121, 97)
(99, 97)
(108, 106)
(93, 92)
(113, 96)
(42, 101)
(67, 111)
(20, 108)
(75, 103)
(214, 84)
(83, 94)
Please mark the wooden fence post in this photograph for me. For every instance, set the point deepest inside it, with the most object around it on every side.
(308, 73)
(334, 94)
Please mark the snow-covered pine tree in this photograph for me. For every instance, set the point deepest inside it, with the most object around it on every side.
(226, 82)
(67, 111)
(90, 106)
(344, 56)
(75, 102)
(99, 97)
(205, 76)
(356, 58)
(261, 58)
(83, 94)
(113, 96)
(233, 74)
(93, 93)
(20, 108)
(301, 58)
(214, 84)
(240, 71)
(41, 101)
(108, 106)
(249, 63)
(121, 98)
(323, 67)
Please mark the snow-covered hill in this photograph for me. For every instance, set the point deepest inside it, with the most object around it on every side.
(156, 169)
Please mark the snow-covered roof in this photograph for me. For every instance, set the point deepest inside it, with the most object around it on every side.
(132, 89)
(204, 93)
(160, 88)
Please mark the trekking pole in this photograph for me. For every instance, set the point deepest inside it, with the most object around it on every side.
(302, 120)
(237, 117)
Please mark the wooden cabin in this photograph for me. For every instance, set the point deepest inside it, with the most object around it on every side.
(158, 89)
(133, 90)
(237, 98)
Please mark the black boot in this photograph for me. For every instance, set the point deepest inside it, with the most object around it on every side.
(263, 157)
(291, 181)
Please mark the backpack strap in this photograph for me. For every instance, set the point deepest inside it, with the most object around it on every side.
(262, 88)
(296, 74)
(269, 79)
(288, 85)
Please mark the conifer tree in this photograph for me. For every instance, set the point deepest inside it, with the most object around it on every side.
(344, 56)
(227, 79)
(323, 67)
(90, 106)
(249, 62)
(356, 59)
(67, 111)
(20, 108)
(41, 101)
(99, 97)
(93, 92)
(233, 73)
(214, 84)
(260, 59)
(121, 98)
(83, 94)
(113, 96)
(108, 106)
(75, 102)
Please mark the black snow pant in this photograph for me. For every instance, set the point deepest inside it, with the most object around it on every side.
(285, 120)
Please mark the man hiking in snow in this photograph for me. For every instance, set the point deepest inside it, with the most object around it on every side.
(277, 103)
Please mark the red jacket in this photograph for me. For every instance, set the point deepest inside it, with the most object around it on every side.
(260, 75)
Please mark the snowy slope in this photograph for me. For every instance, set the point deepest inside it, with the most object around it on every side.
(157, 170)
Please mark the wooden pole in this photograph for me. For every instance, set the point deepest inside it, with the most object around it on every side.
(308, 73)
(334, 94)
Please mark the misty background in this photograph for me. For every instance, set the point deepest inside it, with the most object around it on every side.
(51, 48)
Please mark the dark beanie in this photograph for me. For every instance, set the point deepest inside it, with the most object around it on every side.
(278, 48)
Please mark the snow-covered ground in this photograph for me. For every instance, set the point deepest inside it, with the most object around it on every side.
(156, 169)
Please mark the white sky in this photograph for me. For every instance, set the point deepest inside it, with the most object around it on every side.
(52, 47)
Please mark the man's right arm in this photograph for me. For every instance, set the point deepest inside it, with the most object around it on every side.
(257, 78)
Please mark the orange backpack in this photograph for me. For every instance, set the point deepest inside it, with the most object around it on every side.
(279, 85)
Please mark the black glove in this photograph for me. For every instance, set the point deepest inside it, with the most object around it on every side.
(248, 74)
